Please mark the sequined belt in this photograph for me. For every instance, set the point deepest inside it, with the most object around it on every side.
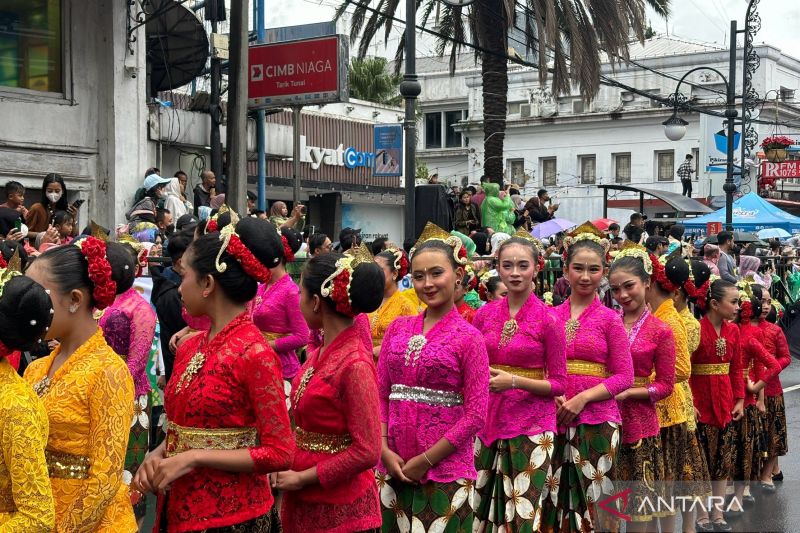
(578, 367)
(423, 395)
(270, 336)
(641, 381)
(181, 439)
(713, 369)
(530, 373)
(321, 442)
(66, 466)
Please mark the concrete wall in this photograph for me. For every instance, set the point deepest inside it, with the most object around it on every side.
(94, 134)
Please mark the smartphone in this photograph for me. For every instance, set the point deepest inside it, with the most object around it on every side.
(18, 224)
(78, 203)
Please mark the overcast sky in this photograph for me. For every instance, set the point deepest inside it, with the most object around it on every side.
(704, 20)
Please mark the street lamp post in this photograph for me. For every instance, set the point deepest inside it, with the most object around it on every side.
(410, 90)
(675, 126)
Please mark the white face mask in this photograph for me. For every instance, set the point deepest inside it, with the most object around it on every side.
(54, 197)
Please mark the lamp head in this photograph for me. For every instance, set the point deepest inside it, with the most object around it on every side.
(675, 128)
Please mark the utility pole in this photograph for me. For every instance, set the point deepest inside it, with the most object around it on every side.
(261, 126)
(214, 107)
(410, 90)
(236, 193)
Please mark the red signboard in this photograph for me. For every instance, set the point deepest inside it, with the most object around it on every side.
(712, 228)
(311, 71)
(786, 169)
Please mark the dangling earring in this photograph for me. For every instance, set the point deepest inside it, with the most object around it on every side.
(73, 308)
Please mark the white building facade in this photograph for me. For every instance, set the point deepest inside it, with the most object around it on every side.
(569, 146)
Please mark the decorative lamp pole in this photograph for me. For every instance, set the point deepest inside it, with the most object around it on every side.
(410, 90)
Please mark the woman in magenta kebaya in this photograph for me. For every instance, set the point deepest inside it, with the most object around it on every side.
(598, 368)
(528, 369)
(433, 385)
(641, 457)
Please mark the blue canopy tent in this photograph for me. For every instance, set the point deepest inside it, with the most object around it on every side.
(750, 213)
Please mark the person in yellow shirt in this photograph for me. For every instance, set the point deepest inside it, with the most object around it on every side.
(26, 499)
(87, 391)
(395, 266)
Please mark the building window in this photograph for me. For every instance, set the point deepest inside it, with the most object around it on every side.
(549, 172)
(516, 171)
(433, 130)
(588, 169)
(441, 125)
(452, 137)
(622, 168)
(665, 165)
(30, 45)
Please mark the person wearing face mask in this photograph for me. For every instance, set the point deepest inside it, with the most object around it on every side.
(142, 216)
(54, 198)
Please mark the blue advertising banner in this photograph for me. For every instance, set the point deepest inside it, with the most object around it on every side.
(388, 150)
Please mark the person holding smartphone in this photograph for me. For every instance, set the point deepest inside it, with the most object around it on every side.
(54, 198)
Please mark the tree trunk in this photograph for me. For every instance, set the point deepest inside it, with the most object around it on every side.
(494, 72)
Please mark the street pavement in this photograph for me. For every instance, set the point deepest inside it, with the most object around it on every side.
(780, 511)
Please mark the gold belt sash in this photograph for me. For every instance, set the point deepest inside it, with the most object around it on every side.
(578, 367)
(713, 369)
(62, 465)
(270, 336)
(181, 439)
(321, 442)
(641, 381)
(530, 373)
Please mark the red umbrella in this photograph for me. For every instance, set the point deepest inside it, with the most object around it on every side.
(603, 223)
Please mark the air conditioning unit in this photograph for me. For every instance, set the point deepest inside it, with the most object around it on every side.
(578, 106)
(525, 110)
(627, 96)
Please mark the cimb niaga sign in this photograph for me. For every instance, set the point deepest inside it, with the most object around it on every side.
(304, 72)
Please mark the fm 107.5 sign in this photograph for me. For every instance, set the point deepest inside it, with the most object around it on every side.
(305, 72)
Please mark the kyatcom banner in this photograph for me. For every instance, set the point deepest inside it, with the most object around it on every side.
(388, 150)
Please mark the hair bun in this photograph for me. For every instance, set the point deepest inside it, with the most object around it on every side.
(262, 239)
(25, 313)
(366, 288)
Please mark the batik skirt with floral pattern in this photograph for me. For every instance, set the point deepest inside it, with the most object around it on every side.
(640, 465)
(429, 507)
(138, 446)
(751, 445)
(719, 446)
(775, 426)
(583, 474)
(512, 474)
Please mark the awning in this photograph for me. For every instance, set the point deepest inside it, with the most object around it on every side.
(683, 205)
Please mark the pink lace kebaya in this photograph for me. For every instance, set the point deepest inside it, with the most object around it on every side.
(599, 338)
(538, 343)
(439, 390)
(652, 347)
(276, 310)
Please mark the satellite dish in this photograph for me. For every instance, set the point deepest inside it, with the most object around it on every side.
(177, 45)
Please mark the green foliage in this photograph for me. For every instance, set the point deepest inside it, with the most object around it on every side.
(370, 80)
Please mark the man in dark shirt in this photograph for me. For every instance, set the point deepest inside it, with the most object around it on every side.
(205, 191)
(537, 209)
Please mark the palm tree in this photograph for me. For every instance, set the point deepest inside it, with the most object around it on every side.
(370, 81)
(565, 36)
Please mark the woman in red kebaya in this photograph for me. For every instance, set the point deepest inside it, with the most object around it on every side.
(228, 424)
(331, 486)
(718, 392)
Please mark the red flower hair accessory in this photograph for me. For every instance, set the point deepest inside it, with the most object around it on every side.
(211, 227)
(747, 310)
(400, 262)
(482, 293)
(5, 351)
(105, 288)
(698, 294)
(288, 254)
(232, 244)
(660, 275)
(337, 285)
